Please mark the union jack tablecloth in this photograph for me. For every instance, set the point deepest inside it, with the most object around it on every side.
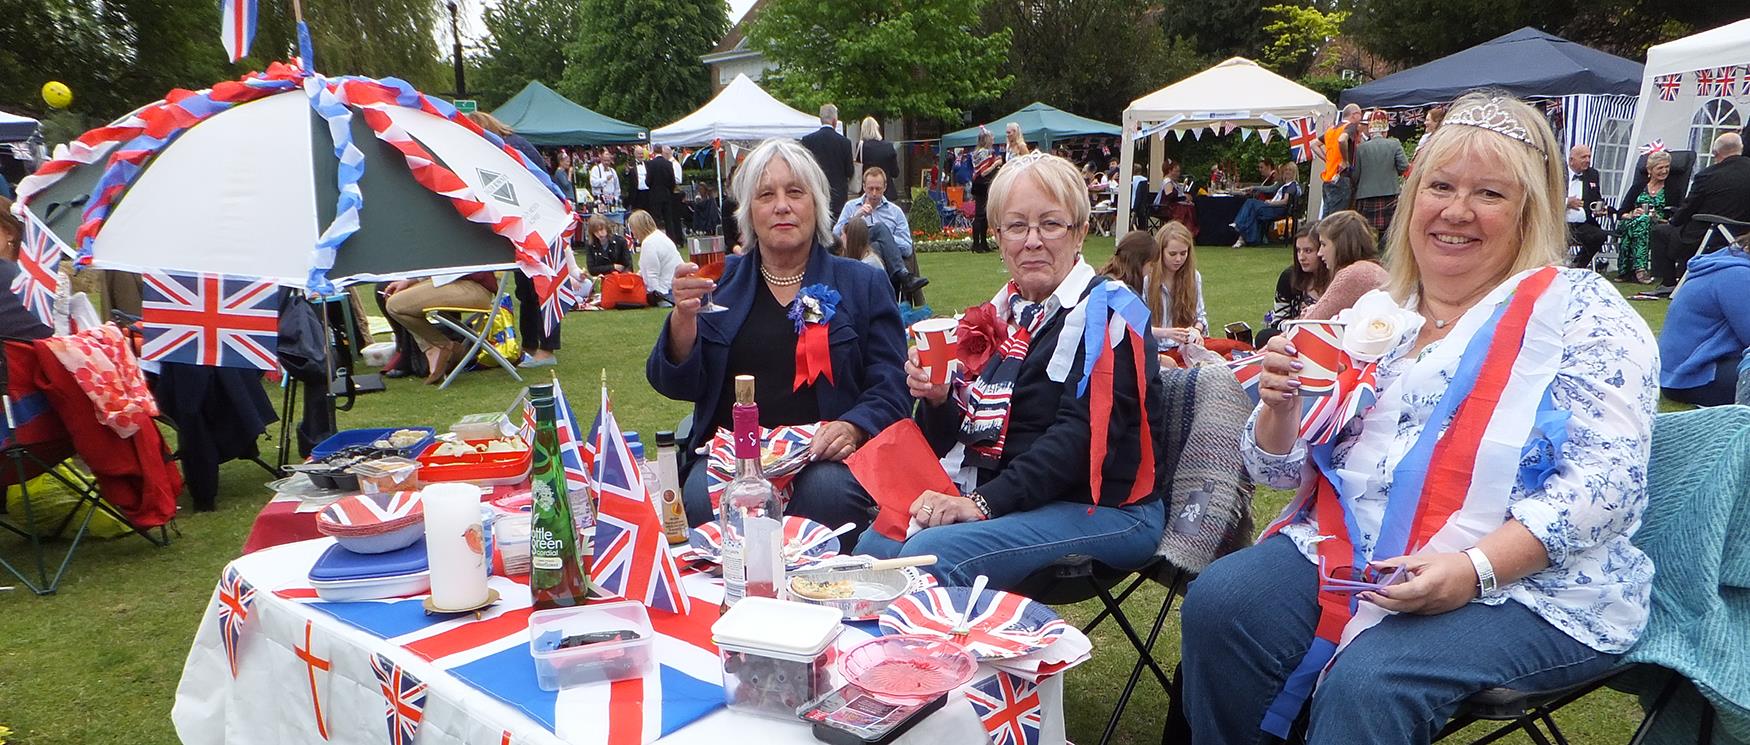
(480, 682)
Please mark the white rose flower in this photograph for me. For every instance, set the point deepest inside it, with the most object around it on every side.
(1375, 325)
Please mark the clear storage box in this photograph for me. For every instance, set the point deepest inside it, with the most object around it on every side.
(563, 667)
(777, 655)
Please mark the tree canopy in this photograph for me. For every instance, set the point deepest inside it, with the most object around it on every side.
(527, 41)
(1434, 30)
(638, 60)
(1091, 57)
(917, 58)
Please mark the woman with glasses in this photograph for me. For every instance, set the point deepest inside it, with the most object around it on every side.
(1052, 444)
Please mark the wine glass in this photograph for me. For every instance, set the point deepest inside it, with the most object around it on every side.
(706, 303)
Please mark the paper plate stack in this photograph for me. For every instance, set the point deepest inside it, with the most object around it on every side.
(374, 523)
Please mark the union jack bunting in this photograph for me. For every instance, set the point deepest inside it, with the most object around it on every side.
(38, 281)
(1302, 136)
(1668, 85)
(235, 598)
(403, 698)
(632, 559)
(1009, 708)
(210, 319)
(236, 27)
(1724, 80)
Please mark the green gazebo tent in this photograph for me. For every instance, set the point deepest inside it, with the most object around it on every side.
(1040, 124)
(544, 117)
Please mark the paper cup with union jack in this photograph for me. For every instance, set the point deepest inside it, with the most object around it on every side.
(938, 341)
(1320, 344)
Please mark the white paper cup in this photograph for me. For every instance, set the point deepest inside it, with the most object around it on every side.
(937, 341)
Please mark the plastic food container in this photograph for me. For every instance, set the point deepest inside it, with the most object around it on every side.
(777, 655)
(484, 469)
(482, 426)
(385, 475)
(870, 590)
(369, 437)
(342, 576)
(557, 668)
(908, 669)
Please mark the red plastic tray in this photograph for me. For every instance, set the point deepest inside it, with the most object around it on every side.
(482, 468)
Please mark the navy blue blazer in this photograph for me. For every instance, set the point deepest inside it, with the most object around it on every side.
(865, 335)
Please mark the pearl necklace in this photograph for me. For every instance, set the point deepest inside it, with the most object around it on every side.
(777, 281)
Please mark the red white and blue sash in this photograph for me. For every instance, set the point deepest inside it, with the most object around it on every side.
(1450, 488)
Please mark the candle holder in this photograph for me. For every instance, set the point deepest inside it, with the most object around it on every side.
(433, 610)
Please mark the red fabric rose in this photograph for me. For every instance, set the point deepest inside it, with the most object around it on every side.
(981, 334)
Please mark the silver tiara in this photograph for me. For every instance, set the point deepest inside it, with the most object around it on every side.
(1495, 118)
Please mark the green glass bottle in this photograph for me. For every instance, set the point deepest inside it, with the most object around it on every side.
(559, 556)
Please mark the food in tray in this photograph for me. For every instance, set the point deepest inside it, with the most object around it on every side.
(453, 449)
(402, 438)
(822, 589)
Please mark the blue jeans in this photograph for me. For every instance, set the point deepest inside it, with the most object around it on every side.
(824, 492)
(1254, 216)
(1008, 548)
(887, 247)
(1249, 618)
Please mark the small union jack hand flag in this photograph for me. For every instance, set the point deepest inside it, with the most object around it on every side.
(37, 280)
(1302, 136)
(211, 320)
(1009, 708)
(632, 559)
(235, 598)
(403, 699)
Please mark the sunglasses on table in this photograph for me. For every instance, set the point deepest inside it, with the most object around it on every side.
(1357, 579)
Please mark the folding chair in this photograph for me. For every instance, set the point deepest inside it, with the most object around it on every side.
(474, 326)
(1207, 412)
(32, 444)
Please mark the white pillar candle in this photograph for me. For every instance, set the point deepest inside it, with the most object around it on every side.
(455, 545)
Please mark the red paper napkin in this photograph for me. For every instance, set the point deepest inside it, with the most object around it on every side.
(895, 467)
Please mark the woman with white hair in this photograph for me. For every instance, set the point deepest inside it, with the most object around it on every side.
(850, 378)
(1470, 528)
(1052, 442)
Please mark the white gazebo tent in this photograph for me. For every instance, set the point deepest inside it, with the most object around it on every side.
(1692, 90)
(742, 112)
(1238, 94)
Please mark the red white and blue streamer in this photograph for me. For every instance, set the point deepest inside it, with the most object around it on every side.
(236, 27)
(335, 113)
(1108, 302)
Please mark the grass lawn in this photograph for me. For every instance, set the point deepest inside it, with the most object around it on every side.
(99, 662)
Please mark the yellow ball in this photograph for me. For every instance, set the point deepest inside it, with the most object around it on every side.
(57, 95)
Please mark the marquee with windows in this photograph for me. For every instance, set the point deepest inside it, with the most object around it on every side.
(1694, 89)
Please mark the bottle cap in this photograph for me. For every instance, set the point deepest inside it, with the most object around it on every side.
(744, 389)
(636, 447)
(632, 438)
(664, 438)
(539, 391)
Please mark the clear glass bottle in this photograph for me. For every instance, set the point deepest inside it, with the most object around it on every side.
(751, 517)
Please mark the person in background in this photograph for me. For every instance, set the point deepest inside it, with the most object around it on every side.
(1379, 162)
(962, 168)
(604, 181)
(1299, 285)
(832, 152)
(1256, 215)
(1723, 189)
(878, 153)
(6, 188)
(1267, 175)
(491, 124)
(1134, 258)
(889, 229)
(1173, 202)
(1583, 194)
(408, 299)
(1340, 143)
(1017, 145)
(1648, 204)
(605, 250)
(1175, 289)
(1347, 247)
(1707, 330)
(783, 198)
(661, 178)
(658, 258)
(562, 175)
(985, 164)
(637, 191)
(856, 245)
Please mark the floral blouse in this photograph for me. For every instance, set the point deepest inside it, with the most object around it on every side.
(1597, 585)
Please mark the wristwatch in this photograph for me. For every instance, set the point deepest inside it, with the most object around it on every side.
(1486, 586)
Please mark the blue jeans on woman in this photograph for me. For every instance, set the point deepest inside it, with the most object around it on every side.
(1254, 216)
(824, 492)
(1008, 548)
(1249, 618)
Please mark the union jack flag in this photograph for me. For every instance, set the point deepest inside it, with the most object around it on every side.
(1302, 136)
(403, 698)
(1356, 391)
(1248, 370)
(1009, 708)
(1724, 80)
(632, 559)
(783, 453)
(236, 27)
(555, 291)
(1003, 624)
(37, 281)
(210, 319)
(1668, 85)
(573, 454)
(235, 598)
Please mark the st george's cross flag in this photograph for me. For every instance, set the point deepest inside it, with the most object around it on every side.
(632, 559)
(236, 27)
(211, 320)
(38, 281)
(1302, 136)
(403, 699)
(1008, 706)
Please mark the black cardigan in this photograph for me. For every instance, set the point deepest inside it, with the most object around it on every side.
(1046, 451)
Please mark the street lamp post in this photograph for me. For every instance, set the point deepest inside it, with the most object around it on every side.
(456, 38)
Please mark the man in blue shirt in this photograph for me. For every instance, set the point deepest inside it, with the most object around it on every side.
(889, 230)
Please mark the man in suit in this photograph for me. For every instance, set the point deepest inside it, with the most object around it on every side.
(1583, 192)
(659, 175)
(1722, 189)
(833, 152)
